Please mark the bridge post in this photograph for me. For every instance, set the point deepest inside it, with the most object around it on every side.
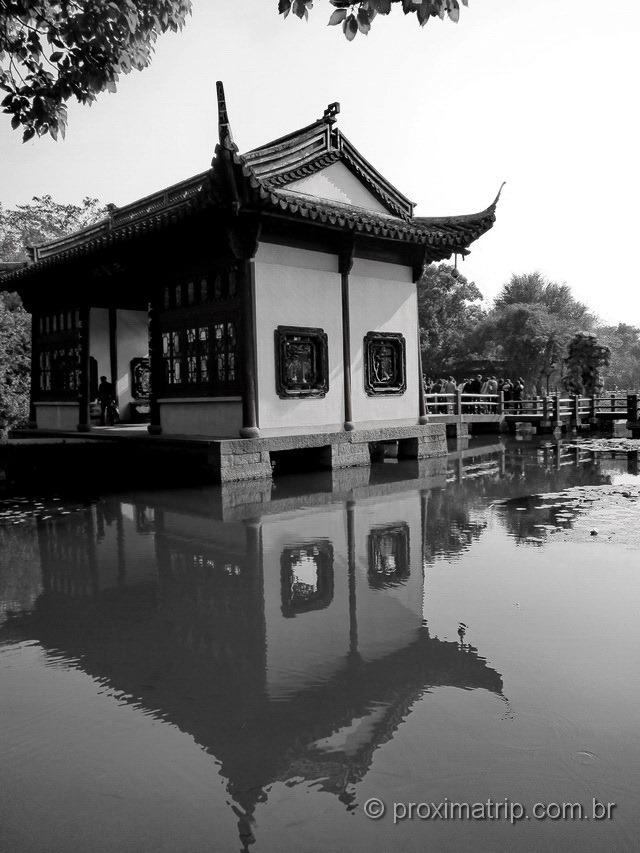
(575, 415)
(593, 419)
(500, 408)
(633, 421)
(545, 423)
(458, 404)
(557, 420)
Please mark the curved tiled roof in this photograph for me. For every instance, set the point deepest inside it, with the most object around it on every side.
(259, 180)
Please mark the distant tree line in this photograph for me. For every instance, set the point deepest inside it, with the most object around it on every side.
(535, 329)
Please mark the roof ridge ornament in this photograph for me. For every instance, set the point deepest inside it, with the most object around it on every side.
(225, 137)
(329, 115)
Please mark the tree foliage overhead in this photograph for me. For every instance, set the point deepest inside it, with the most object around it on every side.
(356, 16)
(448, 312)
(40, 220)
(55, 50)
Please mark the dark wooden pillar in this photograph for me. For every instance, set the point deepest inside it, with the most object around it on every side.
(113, 350)
(35, 369)
(84, 391)
(418, 269)
(155, 363)
(345, 266)
(249, 403)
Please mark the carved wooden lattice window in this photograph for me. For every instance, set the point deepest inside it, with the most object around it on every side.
(306, 577)
(58, 355)
(172, 358)
(385, 359)
(201, 359)
(301, 362)
(225, 342)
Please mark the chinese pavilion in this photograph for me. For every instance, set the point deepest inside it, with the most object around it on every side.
(271, 298)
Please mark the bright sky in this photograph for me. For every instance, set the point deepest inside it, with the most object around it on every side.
(540, 93)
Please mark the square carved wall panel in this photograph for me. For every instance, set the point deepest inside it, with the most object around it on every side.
(302, 368)
(385, 358)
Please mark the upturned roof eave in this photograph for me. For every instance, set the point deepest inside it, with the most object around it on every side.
(233, 182)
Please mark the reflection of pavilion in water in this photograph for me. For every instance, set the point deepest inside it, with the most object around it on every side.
(289, 644)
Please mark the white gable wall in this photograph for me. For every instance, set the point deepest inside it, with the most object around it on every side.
(382, 298)
(337, 183)
(297, 287)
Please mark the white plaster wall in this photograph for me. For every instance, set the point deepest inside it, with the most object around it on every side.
(297, 287)
(388, 619)
(63, 416)
(337, 183)
(132, 342)
(99, 340)
(303, 648)
(382, 298)
(316, 644)
(216, 419)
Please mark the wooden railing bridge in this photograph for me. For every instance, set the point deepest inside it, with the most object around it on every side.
(554, 411)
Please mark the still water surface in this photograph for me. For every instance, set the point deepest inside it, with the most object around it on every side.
(243, 668)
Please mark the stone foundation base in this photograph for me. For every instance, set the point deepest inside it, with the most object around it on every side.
(244, 464)
(345, 455)
(249, 459)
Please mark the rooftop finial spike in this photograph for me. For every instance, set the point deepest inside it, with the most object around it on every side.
(497, 198)
(224, 128)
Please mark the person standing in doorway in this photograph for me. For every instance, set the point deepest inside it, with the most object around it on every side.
(106, 400)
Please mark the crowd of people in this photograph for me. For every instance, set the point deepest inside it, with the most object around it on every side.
(512, 389)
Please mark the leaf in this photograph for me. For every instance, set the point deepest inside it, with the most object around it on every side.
(350, 27)
(454, 11)
(341, 4)
(364, 23)
(299, 8)
(28, 134)
(337, 17)
(424, 13)
(57, 56)
(284, 7)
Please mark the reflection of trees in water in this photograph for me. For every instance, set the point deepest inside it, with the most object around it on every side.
(456, 516)
(523, 516)
(449, 528)
(20, 581)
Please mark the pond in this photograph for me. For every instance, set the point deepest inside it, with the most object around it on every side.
(244, 668)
